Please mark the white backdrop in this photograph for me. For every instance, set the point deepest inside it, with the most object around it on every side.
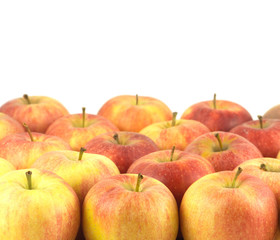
(85, 52)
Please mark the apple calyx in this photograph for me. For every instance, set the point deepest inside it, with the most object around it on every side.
(263, 167)
(217, 135)
(174, 114)
(137, 100)
(82, 150)
(214, 101)
(25, 96)
(28, 175)
(261, 121)
(239, 170)
(29, 132)
(116, 137)
(139, 179)
(84, 116)
(172, 153)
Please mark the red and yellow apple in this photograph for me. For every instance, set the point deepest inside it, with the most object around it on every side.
(273, 113)
(9, 126)
(5, 166)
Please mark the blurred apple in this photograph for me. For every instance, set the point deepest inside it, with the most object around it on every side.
(122, 207)
(78, 129)
(263, 133)
(37, 205)
(224, 150)
(273, 113)
(9, 126)
(178, 133)
(217, 115)
(130, 113)
(38, 112)
(224, 206)
(123, 148)
(5, 166)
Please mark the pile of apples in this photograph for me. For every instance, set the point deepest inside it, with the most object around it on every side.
(133, 171)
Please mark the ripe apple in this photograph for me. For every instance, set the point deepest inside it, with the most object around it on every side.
(22, 149)
(224, 206)
(273, 113)
(5, 166)
(9, 126)
(263, 133)
(178, 133)
(37, 205)
(224, 150)
(174, 168)
(130, 113)
(80, 170)
(38, 112)
(78, 129)
(217, 115)
(123, 148)
(124, 207)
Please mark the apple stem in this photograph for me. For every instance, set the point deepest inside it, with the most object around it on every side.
(28, 176)
(139, 179)
(239, 170)
(29, 132)
(25, 96)
(137, 99)
(116, 137)
(84, 116)
(263, 167)
(261, 121)
(172, 153)
(174, 118)
(82, 150)
(217, 135)
(214, 101)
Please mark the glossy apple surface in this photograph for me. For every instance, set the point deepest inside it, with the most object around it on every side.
(5, 166)
(9, 126)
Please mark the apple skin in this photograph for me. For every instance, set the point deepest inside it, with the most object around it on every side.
(70, 129)
(9, 126)
(212, 210)
(237, 150)
(226, 115)
(113, 210)
(82, 174)
(49, 211)
(266, 139)
(273, 113)
(19, 150)
(131, 146)
(38, 115)
(127, 116)
(5, 166)
(181, 135)
(178, 174)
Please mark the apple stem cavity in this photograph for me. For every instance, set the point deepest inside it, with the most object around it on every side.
(261, 121)
(214, 101)
(29, 182)
(263, 167)
(84, 116)
(137, 100)
(217, 135)
(82, 150)
(172, 153)
(139, 179)
(174, 118)
(239, 170)
(116, 137)
(25, 96)
(29, 132)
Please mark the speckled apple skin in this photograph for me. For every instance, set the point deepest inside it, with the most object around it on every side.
(9, 126)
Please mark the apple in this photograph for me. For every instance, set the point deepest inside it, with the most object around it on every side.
(273, 113)
(78, 129)
(38, 112)
(263, 133)
(179, 133)
(22, 149)
(5, 166)
(130, 113)
(124, 207)
(80, 170)
(217, 115)
(9, 126)
(224, 150)
(122, 147)
(224, 206)
(174, 168)
(37, 205)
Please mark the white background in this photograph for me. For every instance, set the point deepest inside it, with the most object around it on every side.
(85, 52)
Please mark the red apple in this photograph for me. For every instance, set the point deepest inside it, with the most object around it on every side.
(5, 166)
(175, 169)
(178, 133)
(224, 150)
(224, 206)
(133, 114)
(37, 205)
(123, 148)
(9, 126)
(120, 208)
(273, 113)
(217, 115)
(38, 112)
(263, 133)
(78, 129)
